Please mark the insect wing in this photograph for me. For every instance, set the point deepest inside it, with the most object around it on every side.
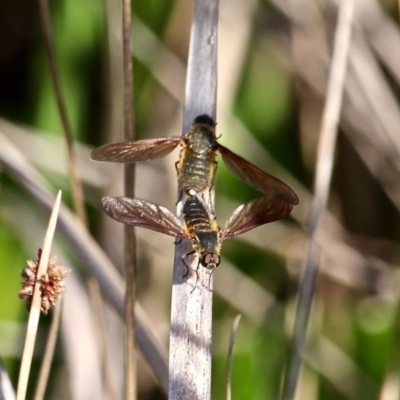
(256, 177)
(253, 214)
(144, 214)
(141, 150)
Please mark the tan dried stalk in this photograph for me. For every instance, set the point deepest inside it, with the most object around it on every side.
(130, 238)
(324, 167)
(191, 309)
(34, 314)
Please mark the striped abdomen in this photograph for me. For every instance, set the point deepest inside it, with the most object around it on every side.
(200, 226)
(196, 216)
(196, 166)
(196, 171)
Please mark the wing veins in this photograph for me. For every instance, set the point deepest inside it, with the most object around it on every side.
(256, 177)
(141, 150)
(260, 211)
(144, 214)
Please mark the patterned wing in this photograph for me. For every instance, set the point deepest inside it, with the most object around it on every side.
(144, 214)
(257, 178)
(141, 150)
(253, 214)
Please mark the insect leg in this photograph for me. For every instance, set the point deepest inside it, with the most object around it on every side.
(197, 277)
(183, 258)
(180, 190)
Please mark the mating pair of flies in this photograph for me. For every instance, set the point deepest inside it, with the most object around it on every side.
(196, 170)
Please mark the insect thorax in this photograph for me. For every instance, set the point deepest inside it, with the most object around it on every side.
(201, 139)
(208, 242)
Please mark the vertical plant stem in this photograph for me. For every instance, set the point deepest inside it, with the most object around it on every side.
(324, 167)
(76, 184)
(230, 358)
(130, 239)
(48, 355)
(34, 314)
(191, 308)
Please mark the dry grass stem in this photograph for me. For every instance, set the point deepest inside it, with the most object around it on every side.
(371, 114)
(49, 352)
(34, 314)
(229, 360)
(129, 232)
(191, 308)
(324, 167)
(76, 186)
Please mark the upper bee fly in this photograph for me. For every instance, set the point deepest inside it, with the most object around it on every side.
(197, 166)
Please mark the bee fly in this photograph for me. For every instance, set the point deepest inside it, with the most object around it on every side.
(196, 166)
(206, 237)
(203, 231)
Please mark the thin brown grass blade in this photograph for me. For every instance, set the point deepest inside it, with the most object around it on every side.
(76, 186)
(129, 232)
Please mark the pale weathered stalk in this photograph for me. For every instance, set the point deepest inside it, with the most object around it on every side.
(191, 309)
(324, 168)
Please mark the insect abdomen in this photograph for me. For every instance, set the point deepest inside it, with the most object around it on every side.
(196, 216)
(203, 229)
(195, 171)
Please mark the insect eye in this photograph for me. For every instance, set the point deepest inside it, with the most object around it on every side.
(210, 260)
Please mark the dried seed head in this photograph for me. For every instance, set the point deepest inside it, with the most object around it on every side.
(51, 283)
